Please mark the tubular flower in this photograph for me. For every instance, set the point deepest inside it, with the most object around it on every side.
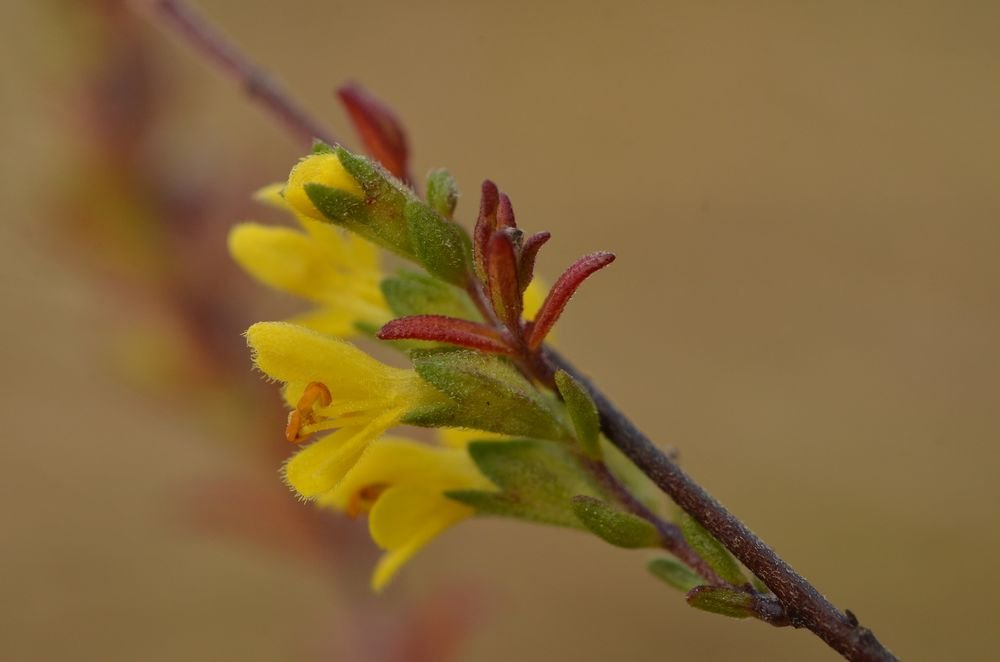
(401, 484)
(332, 385)
(336, 270)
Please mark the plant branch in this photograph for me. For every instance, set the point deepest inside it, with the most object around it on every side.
(806, 607)
(800, 602)
(188, 24)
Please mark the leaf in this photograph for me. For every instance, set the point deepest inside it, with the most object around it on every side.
(614, 526)
(529, 252)
(711, 550)
(674, 573)
(441, 246)
(725, 601)
(583, 413)
(449, 330)
(442, 192)
(501, 278)
(560, 294)
(492, 394)
(536, 479)
(410, 293)
(379, 128)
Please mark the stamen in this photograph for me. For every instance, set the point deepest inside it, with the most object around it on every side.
(304, 414)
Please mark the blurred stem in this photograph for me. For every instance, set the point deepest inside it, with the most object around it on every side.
(190, 25)
(805, 606)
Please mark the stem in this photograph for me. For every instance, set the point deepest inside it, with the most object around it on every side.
(187, 23)
(806, 607)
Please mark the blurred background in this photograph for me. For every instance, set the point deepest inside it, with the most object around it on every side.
(805, 204)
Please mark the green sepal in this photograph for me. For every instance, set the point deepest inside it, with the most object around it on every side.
(441, 246)
(725, 601)
(338, 206)
(384, 222)
(614, 526)
(409, 293)
(673, 572)
(759, 584)
(320, 147)
(583, 413)
(492, 395)
(442, 192)
(437, 415)
(711, 550)
(536, 480)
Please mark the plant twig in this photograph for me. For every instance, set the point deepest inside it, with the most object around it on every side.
(806, 607)
(187, 23)
(803, 605)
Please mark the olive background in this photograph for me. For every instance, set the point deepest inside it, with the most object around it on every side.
(804, 201)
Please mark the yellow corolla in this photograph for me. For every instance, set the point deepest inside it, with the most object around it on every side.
(331, 384)
(330, 267)
(401, 484)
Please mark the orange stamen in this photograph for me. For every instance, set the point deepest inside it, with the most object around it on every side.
(304, 413)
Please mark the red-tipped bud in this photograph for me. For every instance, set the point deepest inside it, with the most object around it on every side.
(450, 330)
(561, 292)
(379, 128)
(526, 264)
(502, 278)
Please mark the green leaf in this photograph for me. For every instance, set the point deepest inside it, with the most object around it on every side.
(711, 550)
(537, 481)
(442, 192)
(614, 526)
(674, 573)
(583, 413)
(735, 604)
(492, 395)
(409, 293)
(441, 246)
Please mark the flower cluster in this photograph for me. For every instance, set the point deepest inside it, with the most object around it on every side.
(516, 436)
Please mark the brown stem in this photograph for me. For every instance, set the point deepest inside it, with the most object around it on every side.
(191, 26)
(806, 607)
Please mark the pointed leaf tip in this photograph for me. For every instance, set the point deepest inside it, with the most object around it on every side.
(562, 291)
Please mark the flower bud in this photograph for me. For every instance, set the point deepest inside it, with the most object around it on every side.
(325, 169)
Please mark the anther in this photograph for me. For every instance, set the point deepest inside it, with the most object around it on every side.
(316, 393)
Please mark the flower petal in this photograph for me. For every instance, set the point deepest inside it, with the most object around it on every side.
(403, 520)
(291, 353)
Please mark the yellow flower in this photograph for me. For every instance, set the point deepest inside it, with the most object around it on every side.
(401, 484)
(332, 384)
(325, 169)
(336, 270)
